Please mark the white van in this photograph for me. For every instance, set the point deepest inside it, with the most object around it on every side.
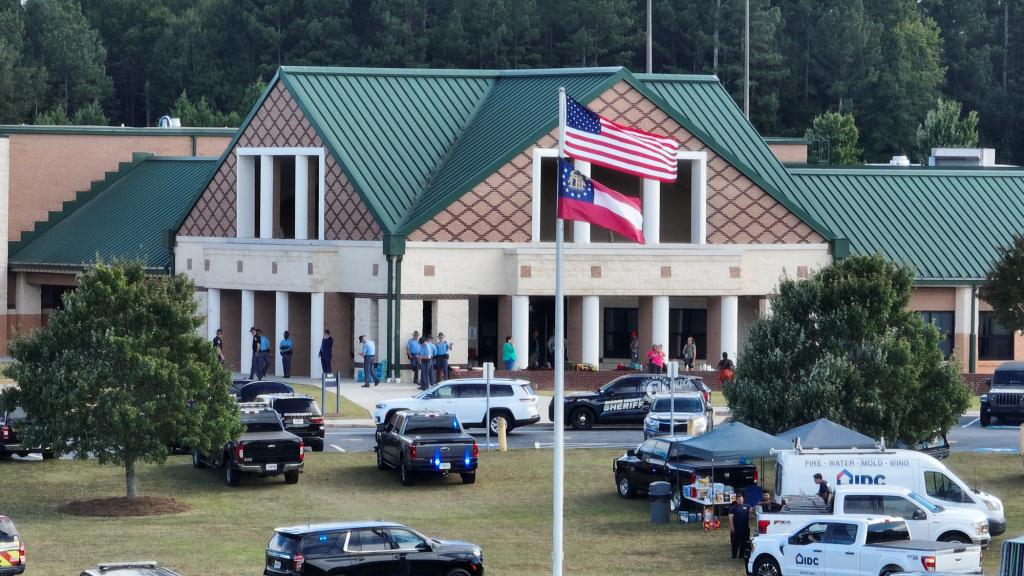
(795, 470)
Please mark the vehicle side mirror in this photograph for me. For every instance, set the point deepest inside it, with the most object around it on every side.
(631, 453)
(423, 547)
(920, 515)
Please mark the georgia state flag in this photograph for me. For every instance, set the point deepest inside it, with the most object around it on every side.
(586, 200)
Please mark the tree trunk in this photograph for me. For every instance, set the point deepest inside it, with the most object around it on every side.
(130, 486)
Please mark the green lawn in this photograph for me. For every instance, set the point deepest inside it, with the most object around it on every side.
(349, 409)
(507, 512)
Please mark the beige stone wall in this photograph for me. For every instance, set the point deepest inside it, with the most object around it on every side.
(48, 169)
(789, 153)
(933, 299)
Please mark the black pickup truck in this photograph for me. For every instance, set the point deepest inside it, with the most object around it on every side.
(426, 442)
(624, 400)
(662, 459)
(265, 449)
(10, 438)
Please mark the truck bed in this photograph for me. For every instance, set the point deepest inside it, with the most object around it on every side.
(925, 545)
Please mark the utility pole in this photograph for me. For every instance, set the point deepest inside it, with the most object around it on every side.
(650, 40)
(746, 60)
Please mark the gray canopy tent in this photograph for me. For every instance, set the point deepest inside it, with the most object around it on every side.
(824, 433)
(734, 440)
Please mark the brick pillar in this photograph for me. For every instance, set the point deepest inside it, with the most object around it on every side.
(644, 316)
(714, 352)
(574, 327)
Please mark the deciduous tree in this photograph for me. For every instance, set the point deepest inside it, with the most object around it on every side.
(945, 127)
(837, 133)
(1004, 285)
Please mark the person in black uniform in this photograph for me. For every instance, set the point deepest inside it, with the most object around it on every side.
(739, 525)
(823, 490)
(254, 365)
(218, 346)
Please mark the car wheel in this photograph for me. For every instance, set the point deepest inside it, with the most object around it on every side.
(231, 476)
(986, 418)
(625, 485)
(890, 570)
(955, 538)
(197, 462)
(404, 474)
(291, 477)
(49, 455)
(582, 419)
(468, 477)
(318, 447)
(766, 566)
(457, 572)
(494, 421)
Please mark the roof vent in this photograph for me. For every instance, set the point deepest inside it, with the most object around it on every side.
(899, 161)
(962, 157)
(168, 122)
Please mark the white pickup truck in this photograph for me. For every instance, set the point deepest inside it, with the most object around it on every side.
(857, 546)
(925, 520)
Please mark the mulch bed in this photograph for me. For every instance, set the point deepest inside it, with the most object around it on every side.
(120, 507)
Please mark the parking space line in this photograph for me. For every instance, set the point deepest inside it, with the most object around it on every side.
(970, 423)
(338, 448)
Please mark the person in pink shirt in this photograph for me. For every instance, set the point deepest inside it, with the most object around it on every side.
(656, 359)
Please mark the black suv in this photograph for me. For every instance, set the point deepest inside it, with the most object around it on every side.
(358, 548)
(10, 439)
(301, 416)
(1005, 397)
(625, 400)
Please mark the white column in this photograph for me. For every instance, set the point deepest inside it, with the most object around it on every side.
(302, 197)
(591, 330)
(280, 325)
(212, 312)
(652, 214)
(266, 196)
(764, 306)
(581, 230)
(316, 334)
(964, 323)
(699, 199)
(248, 318)
(245, 196)
(730, 326)
(521, 330)
(659, 322)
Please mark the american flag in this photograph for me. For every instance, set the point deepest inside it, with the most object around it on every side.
(600, 141)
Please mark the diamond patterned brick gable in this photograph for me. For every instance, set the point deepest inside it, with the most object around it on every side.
(739, 211)
(499, 209)
(280, 123)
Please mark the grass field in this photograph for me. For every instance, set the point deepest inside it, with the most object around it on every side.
(349, 409)
(507, 512)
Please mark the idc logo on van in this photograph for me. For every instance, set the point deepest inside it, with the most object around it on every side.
(807, 560)
(847, 477)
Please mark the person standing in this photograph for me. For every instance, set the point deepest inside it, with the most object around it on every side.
(326, 352)
(739, 525)
(656, 359)
(254, 364)
(218, 346)
(823, 491)
(426, 357)
(441, 357)
(264, 356)
(508, 354)
(634, 349)
(369, 354)
(689, 353)
(286, 348)
(534, 350)
(726, 369)
(412, 353)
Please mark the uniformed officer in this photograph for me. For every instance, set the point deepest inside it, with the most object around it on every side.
(739, 525)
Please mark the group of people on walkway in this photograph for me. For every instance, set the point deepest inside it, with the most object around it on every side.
(261, 352)
(428, 358)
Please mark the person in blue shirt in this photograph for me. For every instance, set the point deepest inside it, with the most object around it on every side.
(412, 352)
(264, 355)
(441, 352)
(426, 359)
(369, 354)
(285, 347)
(326, 352)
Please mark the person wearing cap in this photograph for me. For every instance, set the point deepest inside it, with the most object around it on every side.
(426, 361)
(443, 348)
(369, 355)
(218, 346)
(412, 352)
(254, 364)
(326, 351)
(286, 347)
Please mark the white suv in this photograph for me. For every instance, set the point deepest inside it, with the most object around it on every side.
(514, 400)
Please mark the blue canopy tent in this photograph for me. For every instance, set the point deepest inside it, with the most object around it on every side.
(824, 433)
(732, 441)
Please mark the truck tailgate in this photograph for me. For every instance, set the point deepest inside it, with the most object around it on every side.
(960, 560)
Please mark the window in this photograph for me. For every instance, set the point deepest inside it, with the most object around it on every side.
(470, 390)
(994, 341)
(899, 507)
(844, 534)
(283, 543)
(887, 532)
(661, 450)
(691, 405)
(647, 447)
(297, 406)
(619, 323)
(940, 486)
(442, 393)
(328, 543)
(501, 390)
(405, 540)
(810, 534)
(943, 321)
(626, 388)
(370, 540)
(861, 504)
(686, 322)
(432, 425)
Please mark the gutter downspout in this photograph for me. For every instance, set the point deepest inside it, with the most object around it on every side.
(389, 330)
(398, 319)
(972, 357)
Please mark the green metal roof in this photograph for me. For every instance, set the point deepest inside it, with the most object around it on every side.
(946, 223)
(128, 215)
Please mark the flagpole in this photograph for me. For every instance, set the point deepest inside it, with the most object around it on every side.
(559, 399)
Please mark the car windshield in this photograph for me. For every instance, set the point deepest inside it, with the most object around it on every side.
(1008, 379)
(262, 423)
(924, 503)
(895, 531)
(682, 405)
(433, 425)
(7, 530)
(283, 543)
(296, 406)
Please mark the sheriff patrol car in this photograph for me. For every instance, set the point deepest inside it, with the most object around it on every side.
(12, 549)
(625, 400)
